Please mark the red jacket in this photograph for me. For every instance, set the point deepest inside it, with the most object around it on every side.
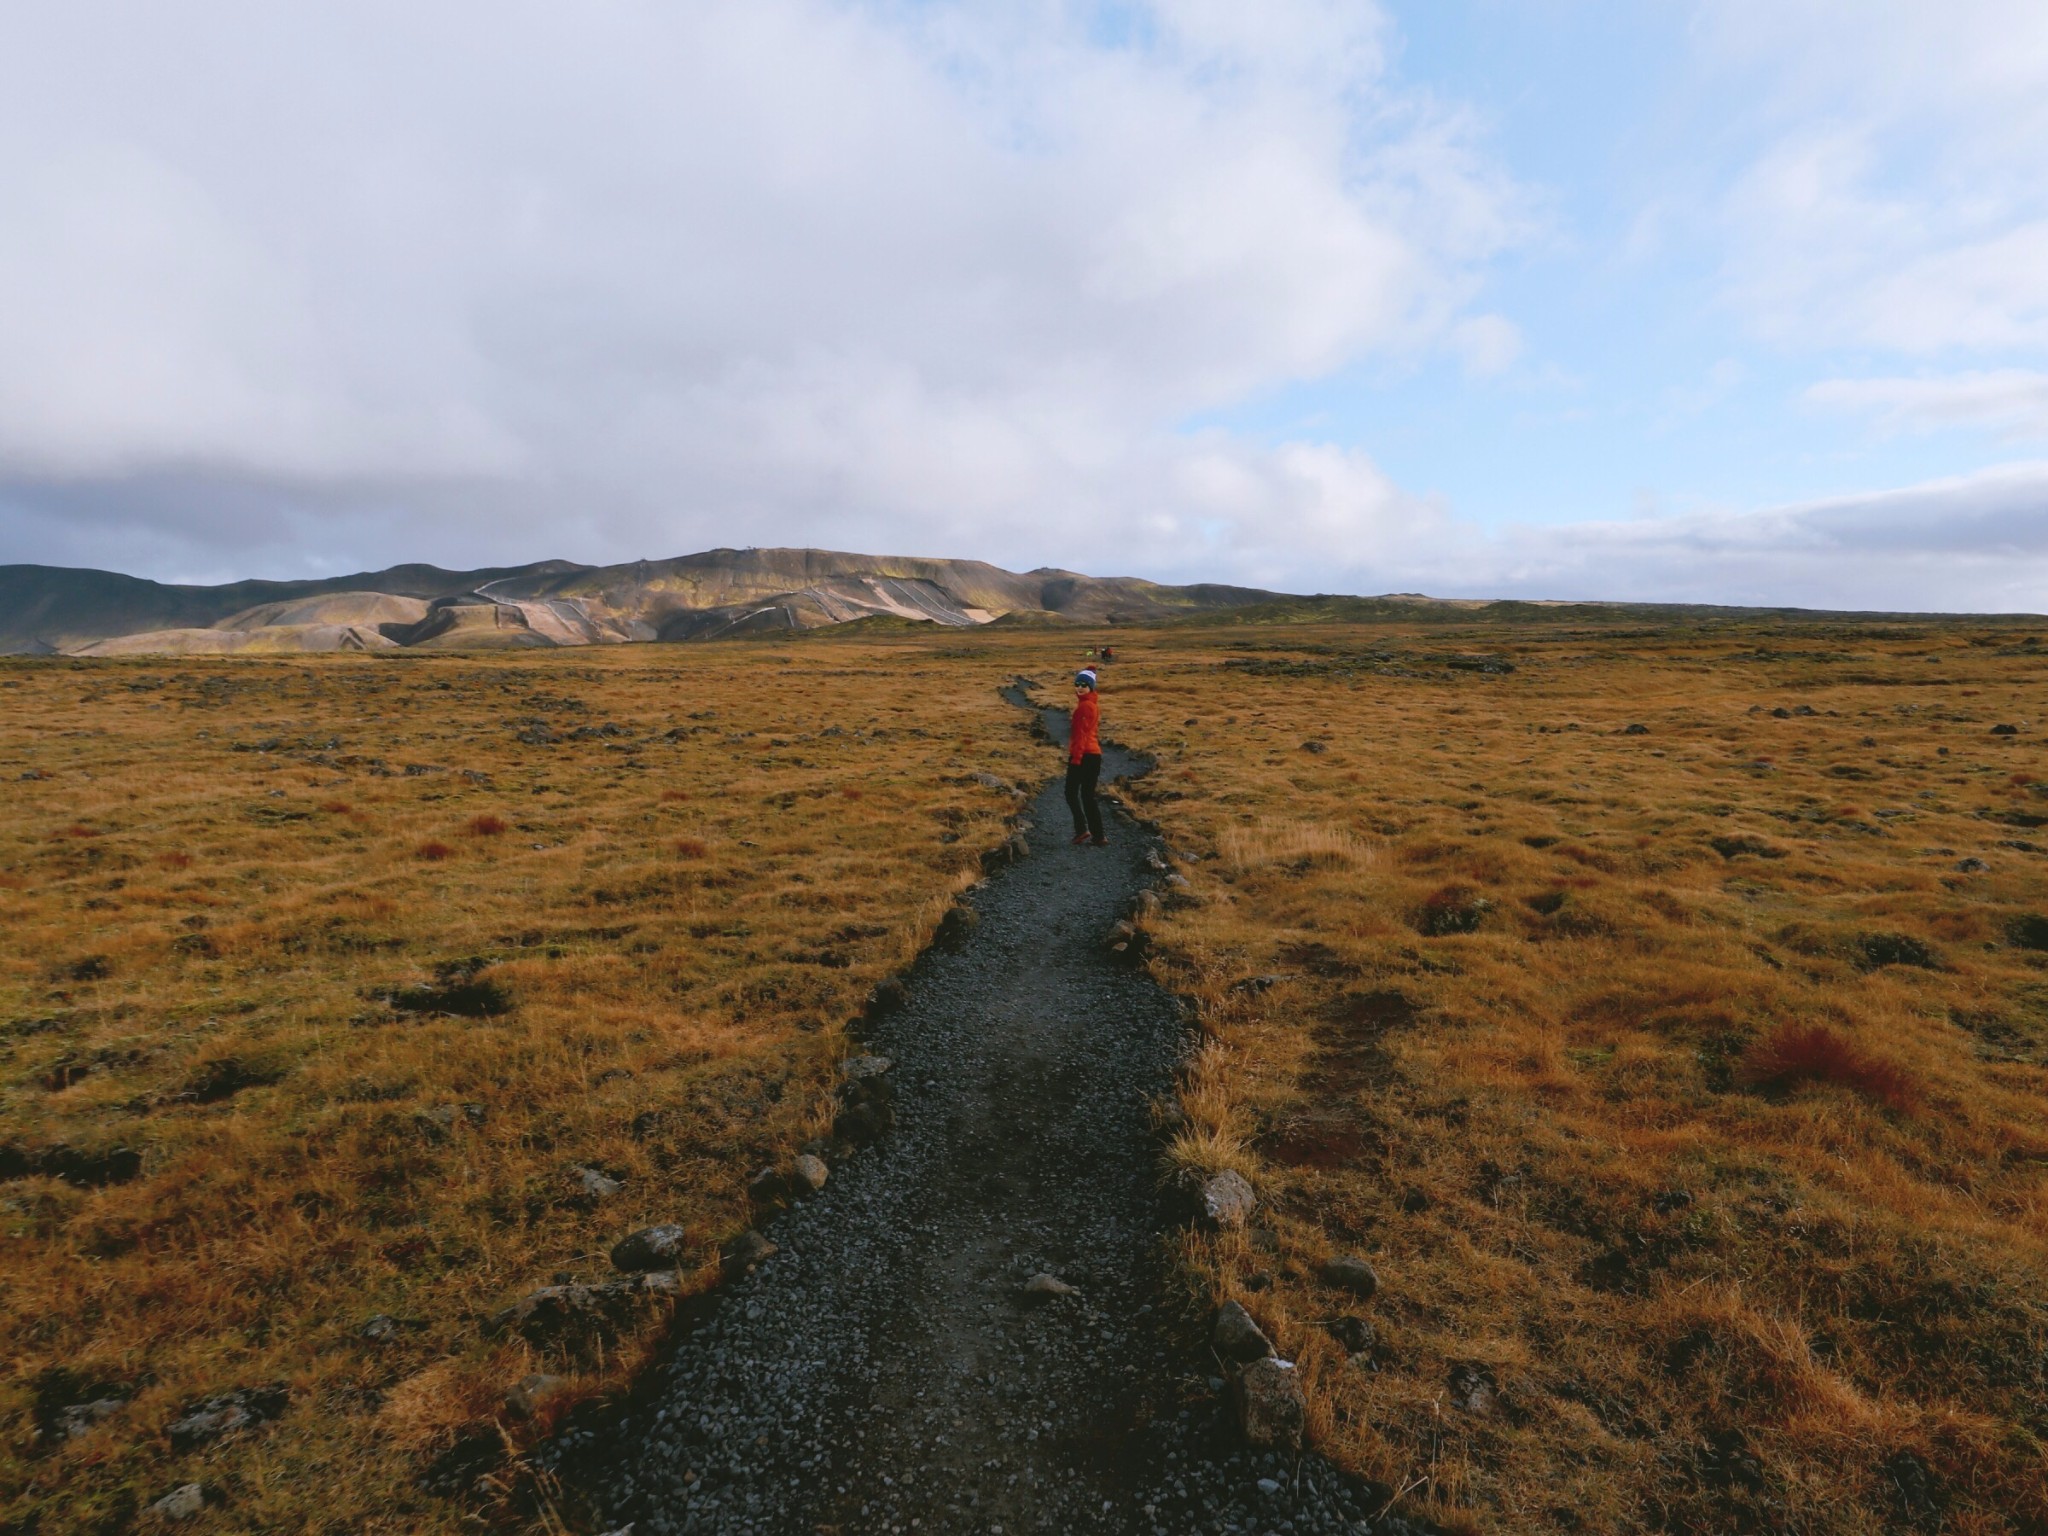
(1081, 737)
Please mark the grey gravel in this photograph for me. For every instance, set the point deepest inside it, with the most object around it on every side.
(884, 1370)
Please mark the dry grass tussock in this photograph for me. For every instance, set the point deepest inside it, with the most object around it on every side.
(1295, 844)
(323, 981)
(1680, 1061)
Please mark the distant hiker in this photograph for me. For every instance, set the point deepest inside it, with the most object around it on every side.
(1084, 760)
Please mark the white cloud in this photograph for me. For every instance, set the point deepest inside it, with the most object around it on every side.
(1898, 196)
(2012, 402)
(639, 278)
(1970, 544)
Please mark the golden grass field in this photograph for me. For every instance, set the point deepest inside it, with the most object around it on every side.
(235, 918)
(1688, 1088)
(1687, 1092)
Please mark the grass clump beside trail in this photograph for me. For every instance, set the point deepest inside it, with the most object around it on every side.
(1665, 1016)
(350, 989)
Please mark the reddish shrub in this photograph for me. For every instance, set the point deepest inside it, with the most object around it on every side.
(79, 829)
(488, 825)
(1455, 908)
(690, 848)
(850, 793)
(434, 850)
(673, 796)
(175, 860)
(1813, 1053)
(336, 807)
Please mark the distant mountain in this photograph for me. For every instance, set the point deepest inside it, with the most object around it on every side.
(722, 592)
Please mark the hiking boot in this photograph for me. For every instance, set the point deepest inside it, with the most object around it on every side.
(1080, 838)
(1101, 842)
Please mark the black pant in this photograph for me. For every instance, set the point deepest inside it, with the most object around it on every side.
(1081, 779)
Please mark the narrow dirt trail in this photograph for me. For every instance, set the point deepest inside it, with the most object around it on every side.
(885, 1371)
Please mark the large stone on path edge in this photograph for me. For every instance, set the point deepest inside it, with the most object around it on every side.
(1270, 1409)
(1228, 1200)
(650, 1248)
(1236, 1337)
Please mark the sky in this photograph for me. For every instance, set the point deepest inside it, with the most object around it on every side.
(1737, 301)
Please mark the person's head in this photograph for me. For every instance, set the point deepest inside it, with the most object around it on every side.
(1084, 680)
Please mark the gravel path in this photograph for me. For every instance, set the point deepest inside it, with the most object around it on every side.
(884, 1372)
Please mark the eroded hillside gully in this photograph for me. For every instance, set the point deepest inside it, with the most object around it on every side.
(891, 1367)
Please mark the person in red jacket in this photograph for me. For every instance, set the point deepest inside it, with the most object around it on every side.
(1084, 760)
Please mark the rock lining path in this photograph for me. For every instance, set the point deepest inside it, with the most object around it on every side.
(885, 1371)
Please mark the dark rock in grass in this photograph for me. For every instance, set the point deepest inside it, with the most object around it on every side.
(1472, 1390)
(462, 1000)
(1354, 1334)
(1313, 746)
(1268, 1404)
(1236, 1337)
(889, 996)
(556, 1309)
(1353, 1274)
(859, 1125)
(384, 1327)
(224, 1077)
(594, 1184)
(745, 1252)
(1228, 1200)
(2005, 730)
(2028, 932)
(1636, 730)
(768, 1189)
(1971, 866)
(77, 1419)
(1781, 713)
(957, 924)
(532, 1394)
(68, 1402)
(1881, 949)
(650, 1248)
(180, 1503)
(1737, 846)
(207, 1420)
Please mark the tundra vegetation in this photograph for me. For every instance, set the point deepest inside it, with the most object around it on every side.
(1662, 1012)
(346, 1000)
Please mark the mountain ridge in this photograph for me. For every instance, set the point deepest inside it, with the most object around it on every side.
(707, 595)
